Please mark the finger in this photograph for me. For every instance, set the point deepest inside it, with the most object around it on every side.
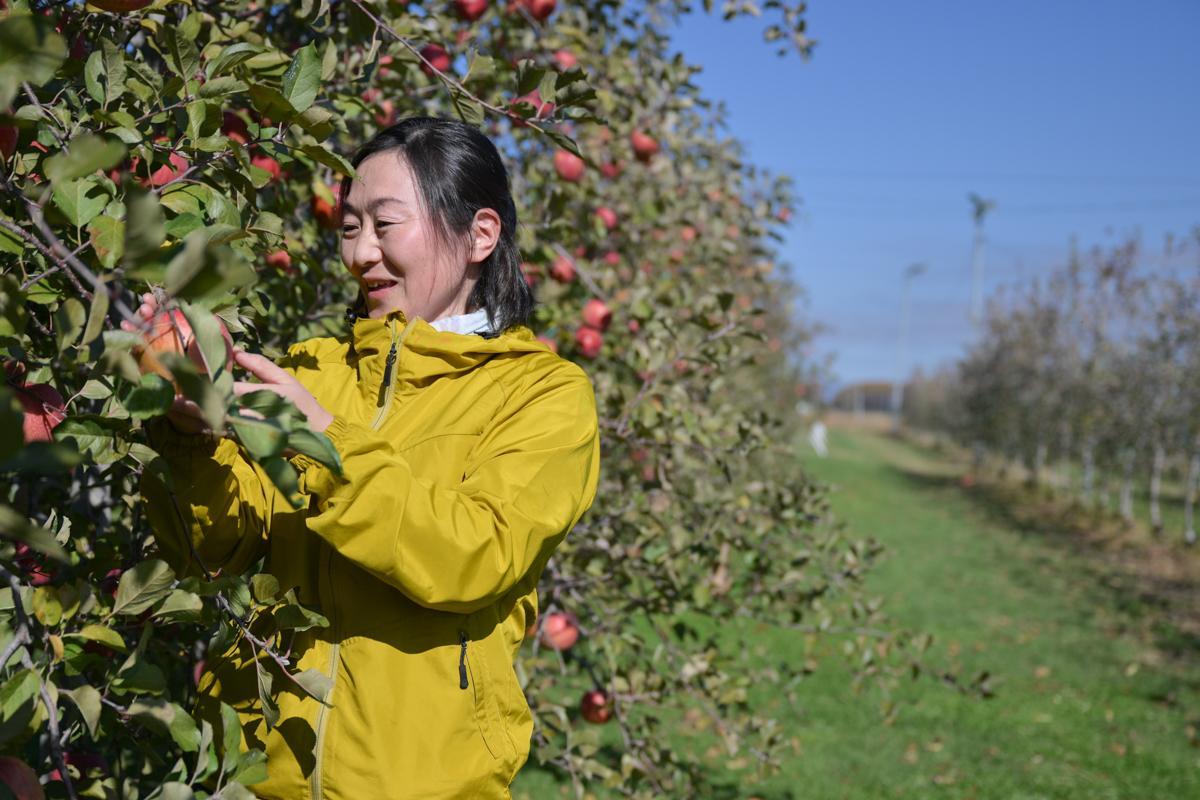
(245, 387)
(262, 367)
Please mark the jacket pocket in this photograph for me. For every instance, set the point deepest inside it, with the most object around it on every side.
(473, 676)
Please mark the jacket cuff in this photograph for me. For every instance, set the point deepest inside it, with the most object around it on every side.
(316, 478)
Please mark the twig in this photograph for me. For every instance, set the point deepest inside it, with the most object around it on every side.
(584, 274)
(51, 707)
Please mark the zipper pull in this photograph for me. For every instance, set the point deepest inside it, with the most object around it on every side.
(462, 662)
(388, 365)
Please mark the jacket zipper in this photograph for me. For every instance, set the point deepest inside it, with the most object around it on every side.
(462, 661)
(388, 389)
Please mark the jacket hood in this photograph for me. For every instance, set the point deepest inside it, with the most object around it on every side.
(423, 353)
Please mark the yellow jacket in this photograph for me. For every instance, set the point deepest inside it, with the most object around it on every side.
(466, 461)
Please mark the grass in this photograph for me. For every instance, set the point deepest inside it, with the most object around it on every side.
(1086, 705)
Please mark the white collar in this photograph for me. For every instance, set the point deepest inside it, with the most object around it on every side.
(475, 322)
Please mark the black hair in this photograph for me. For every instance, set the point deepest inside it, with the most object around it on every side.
(458, 171)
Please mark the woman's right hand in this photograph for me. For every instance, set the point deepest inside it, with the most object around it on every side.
(184, 415)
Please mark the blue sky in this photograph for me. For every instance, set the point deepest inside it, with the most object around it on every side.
(1078, 118)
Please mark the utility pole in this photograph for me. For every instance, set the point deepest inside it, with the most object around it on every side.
(912, 271)
(979, 210)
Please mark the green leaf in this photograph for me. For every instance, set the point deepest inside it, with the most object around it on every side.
(143, 586)
(18, 528)
(316, 683)
(30, 51)
(84, 155)
(270, 709)
(251, 769)
(267, 403)
(284, 476)
(103, 635)
(467, 108)
(231, 739)
(146, 226)
(302, 81)
(167, 718)
(529, 76)
(69, 319)
(180, 52)
(317, 446)
(80, 200)
(87, 699)
(180, 606)
(222, 87)
(230, 57)
(204, 270)
(481, 68)
(96, 315)
(323, 155)
(108, 239)
(152, 397)
(297, 617)
(97, 436)
(18, 704)
(214, 350)
(46, 606)
(265, 588)
(261, 438)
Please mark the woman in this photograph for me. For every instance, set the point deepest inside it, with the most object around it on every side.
(469, 449)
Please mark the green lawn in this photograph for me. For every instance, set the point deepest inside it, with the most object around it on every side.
(1082, 707)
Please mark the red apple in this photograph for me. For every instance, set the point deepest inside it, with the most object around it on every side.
(687, 233)
(385, 63)
(111, 580)
(8, 139)
(197, 671)
(596, 706)
(610, 169)
(565, 59)
(44, 409)
(541, 108)
(784, 214)
(27, 560)
(170, 332)
(267, 163)
(529, 272)
(589, 340)
(177, 165)
(563, 270)
(644, 146)
(470, 10)
(280, 259)
(437, 57)
(560, 630)
(539, 9)
(569, 166)
(607, 216)
(325, 213)
(86, 762)
(20, 779)
(386, 115)
(120, 6)
(634, 326)
(235, 127)
(597, 314)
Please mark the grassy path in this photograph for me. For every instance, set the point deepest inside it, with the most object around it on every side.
(1083, 709)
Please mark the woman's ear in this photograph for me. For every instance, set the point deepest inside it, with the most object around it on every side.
(485, 234)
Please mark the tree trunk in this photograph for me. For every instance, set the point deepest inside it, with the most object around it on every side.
(1160, 458)
(1039, 462)
(1189, 500)
(1127, 487)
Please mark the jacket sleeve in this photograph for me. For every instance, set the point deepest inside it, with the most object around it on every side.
(531, 476)
(220, 502)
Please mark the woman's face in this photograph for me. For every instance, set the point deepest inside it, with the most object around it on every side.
(389, 246)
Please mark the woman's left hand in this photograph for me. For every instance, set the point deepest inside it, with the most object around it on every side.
(277, 380)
